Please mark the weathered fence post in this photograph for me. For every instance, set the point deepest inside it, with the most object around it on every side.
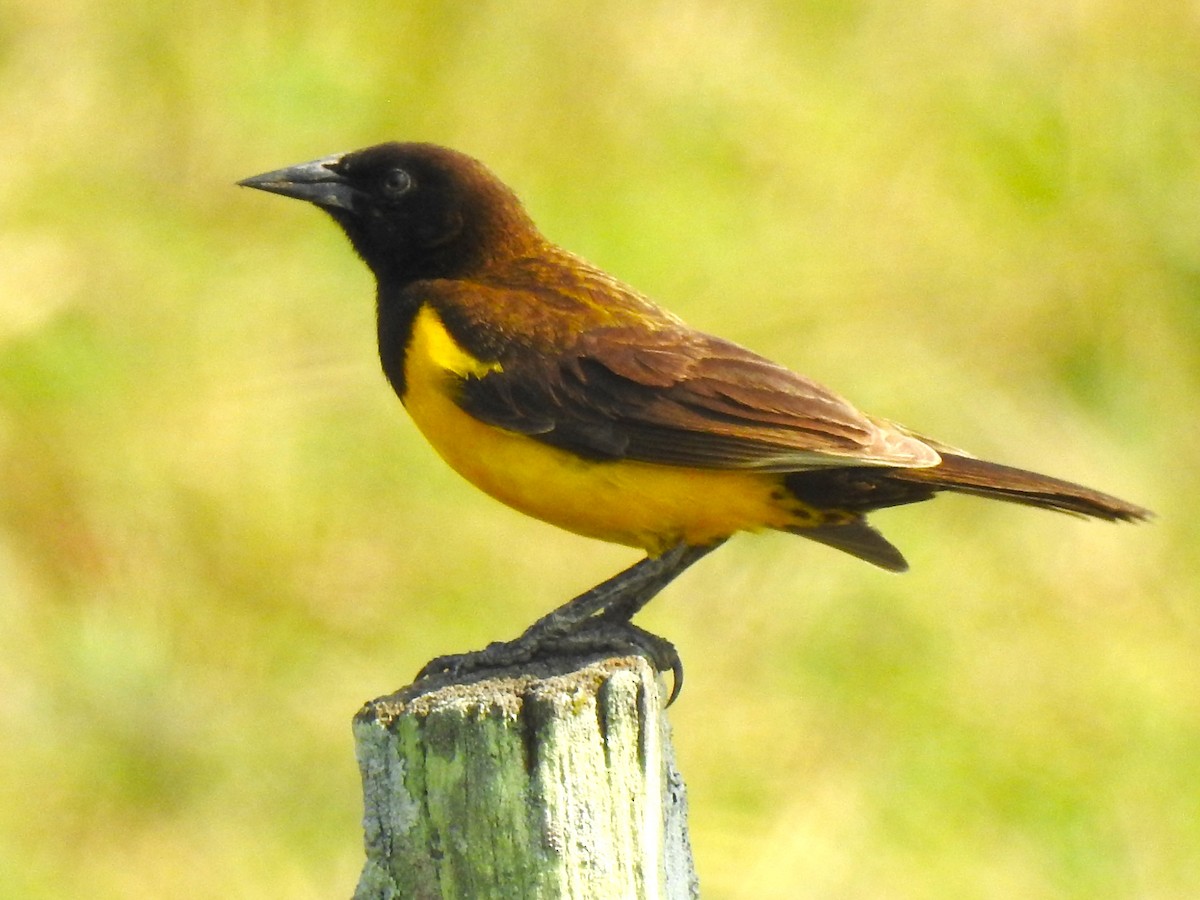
(546, 783)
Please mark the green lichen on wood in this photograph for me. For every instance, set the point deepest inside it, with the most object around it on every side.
(549, 785)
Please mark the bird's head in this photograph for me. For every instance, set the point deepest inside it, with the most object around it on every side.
(412, 210)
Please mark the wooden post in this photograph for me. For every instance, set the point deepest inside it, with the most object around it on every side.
(553, 782)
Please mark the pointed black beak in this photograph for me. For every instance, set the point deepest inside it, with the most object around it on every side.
(314, 181)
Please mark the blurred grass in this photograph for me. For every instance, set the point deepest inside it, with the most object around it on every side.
(219, 534)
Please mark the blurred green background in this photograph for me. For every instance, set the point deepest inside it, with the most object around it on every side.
(219, 534)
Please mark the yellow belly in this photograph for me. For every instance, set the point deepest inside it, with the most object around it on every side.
(638, 504)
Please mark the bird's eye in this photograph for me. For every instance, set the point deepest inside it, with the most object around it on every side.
(396, 182)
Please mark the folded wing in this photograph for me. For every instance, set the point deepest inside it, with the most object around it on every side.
(674, 396)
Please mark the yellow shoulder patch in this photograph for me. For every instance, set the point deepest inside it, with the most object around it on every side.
(432, 343)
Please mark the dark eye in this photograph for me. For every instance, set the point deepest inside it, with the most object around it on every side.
(396, 182)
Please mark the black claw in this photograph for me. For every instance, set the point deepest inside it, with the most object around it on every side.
(676, 679)
(438, 666)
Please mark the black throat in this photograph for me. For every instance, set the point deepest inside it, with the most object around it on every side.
(396, 310)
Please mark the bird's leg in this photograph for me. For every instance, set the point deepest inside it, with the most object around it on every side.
(597, 620)
(621, 597)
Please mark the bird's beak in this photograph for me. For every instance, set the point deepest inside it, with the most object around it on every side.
(313, 181)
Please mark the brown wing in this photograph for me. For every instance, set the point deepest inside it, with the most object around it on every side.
(656, 391)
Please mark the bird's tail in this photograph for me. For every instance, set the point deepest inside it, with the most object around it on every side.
(966, 475)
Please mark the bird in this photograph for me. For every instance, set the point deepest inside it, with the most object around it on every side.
(571, 397)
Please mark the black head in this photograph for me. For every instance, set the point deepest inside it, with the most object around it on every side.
(412, 210)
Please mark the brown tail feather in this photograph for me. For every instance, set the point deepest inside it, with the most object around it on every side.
(966, 475)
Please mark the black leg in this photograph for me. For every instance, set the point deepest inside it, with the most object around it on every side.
(621, 597)
(595, 621)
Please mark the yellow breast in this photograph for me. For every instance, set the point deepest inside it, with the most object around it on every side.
(639, 504)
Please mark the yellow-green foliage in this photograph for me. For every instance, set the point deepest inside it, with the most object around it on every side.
(219, 534)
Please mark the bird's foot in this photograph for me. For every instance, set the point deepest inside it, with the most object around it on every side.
(596, 622)
(593, 636)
